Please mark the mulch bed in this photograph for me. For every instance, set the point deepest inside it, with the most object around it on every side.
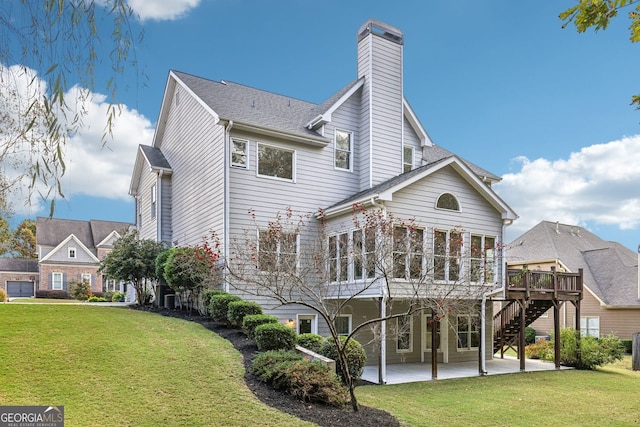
(322, 415)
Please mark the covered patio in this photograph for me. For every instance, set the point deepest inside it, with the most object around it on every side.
(416, 372)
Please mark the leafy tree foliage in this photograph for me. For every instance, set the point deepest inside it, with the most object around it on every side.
(5, 237)
(39, 113)
(133, 260)
(597, 14)
(23, 243)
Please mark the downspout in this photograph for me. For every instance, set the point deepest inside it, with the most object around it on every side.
(500, 290)
(159, 207)
(225, 231)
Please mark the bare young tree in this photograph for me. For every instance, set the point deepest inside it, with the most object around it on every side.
(308, 260)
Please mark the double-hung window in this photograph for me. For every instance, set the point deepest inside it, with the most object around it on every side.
(407, 158)
(404, 334)
(277, 251)
(71, 252)
(276, 162)
(408, 244)
(86, 277)
(343, 150)
(468, 332)
(342, 324)
(590, 326)
(482, 258)
(447, 252)
(56, 281)
(154, 198)
(339, 257)
(364, 246)
(239, 153)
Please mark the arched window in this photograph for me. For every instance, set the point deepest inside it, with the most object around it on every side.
(448, 201)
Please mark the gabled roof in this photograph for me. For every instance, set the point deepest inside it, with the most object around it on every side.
(385, 190)
(610, 270)
(152, 158)
(64, 243)
(51, 231)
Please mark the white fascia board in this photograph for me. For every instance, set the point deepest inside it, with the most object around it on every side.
(104, 241)
(314, 141)
(325, 117)
(64, 242)
(137, 172)
(425, 139)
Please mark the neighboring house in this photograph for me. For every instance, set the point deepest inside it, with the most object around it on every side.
(71, 251)
(222, 149)
(19, 276)
(611, 298)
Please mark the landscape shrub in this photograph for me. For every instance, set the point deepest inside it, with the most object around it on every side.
(311, 342)
(594, 351)
(529, 335)
(117, 297)
(356, 357)
(252, 321)
(208, 294)
(80, 290)
(3, 295)
(540, 350)
(266, 365)
(274, 336)
(628, 345)
(95, 298)
(307, 381)
(219, 306)
(51, 294)
(237, 310)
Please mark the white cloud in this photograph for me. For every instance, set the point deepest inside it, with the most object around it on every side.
(597, 186)
(93, 167)
(159, 10)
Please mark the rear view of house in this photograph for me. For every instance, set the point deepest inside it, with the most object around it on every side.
(222, 150)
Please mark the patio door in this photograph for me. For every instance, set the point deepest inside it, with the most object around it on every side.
(441, 339)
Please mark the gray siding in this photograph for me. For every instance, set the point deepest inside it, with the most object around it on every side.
(165, 208)
(149, 228)
(193, 145)
(62, 254)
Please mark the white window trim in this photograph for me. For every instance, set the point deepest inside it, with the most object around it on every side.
(462, 259)
(72, 253)
(469, 319)
(277, 250)
(483, 257)
(336, 149)
(154, 200)
(312, 317)
(583, 331)
(413, 156)
(445, 209)
(86, 276)
(410, 349)
(246, 154)
(293, 160)
(53, 281)
(349, 321)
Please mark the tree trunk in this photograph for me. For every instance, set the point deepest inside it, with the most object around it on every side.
(635, 352)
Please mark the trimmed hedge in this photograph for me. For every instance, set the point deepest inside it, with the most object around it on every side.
(51, 294)
(307, 381)
(628, 345)
(208, 294)
(356, 357)
(237, 310)
(219, 306)
(252, 321)
(274, 336)
(311, 342)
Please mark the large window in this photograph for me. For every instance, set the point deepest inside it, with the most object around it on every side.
(343, 150)
(468, 332)
(276, 162)
(239, 153)
(447, 252)
(407, 158)
(364, 246)
(590, 326)
(87, 277)
(277, 251)
(56, 281)
(339, 257)
(404, 331)
(408, 252)
(482, 258)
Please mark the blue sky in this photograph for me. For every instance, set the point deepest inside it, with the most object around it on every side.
(499, 83)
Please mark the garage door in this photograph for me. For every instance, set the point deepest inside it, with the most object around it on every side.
(17, 289)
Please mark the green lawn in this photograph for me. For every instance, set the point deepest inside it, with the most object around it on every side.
(608, 396)
(113, 366)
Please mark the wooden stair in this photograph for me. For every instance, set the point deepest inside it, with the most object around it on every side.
(506, 323)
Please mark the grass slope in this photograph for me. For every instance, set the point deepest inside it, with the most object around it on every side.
(114, 366)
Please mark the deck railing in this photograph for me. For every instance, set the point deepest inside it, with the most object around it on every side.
(556, 284)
